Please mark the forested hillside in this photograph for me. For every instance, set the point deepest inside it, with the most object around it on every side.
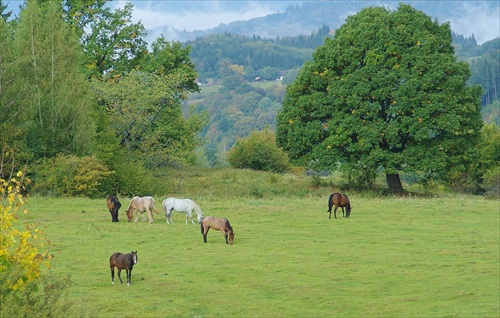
(260, 57)
(238, 103)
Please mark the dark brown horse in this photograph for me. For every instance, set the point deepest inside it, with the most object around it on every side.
(122, 261)
(221, 224)
(113, 205)
(339, 200)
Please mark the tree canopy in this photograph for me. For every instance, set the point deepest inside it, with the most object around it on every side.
(386, 92)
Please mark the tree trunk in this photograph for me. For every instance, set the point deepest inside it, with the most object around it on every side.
(394, 183)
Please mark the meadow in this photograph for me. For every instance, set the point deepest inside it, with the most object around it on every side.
(394, 257)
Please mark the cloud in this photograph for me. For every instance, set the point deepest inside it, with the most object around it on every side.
(198, 15)
(477, 18)
(480, 18)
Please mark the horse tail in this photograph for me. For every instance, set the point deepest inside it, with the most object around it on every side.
(153, 206)
(201, 225)
(330, 203)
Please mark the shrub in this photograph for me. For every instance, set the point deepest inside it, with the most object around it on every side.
(70, 176)
(259, 152)
(491, 183)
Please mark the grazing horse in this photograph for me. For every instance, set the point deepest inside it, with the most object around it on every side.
(122, 261)
(113, 205)
(181, 205)
(339, 200)
(138, 204)
(221, 224)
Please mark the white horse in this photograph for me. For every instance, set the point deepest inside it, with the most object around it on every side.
(138, 204)
(182, 206)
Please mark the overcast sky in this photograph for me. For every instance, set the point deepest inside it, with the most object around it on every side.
(204, 14)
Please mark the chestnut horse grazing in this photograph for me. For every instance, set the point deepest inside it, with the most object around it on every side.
(221, 224)
(138, 204)
(113, 205)
(339, 200)
(122, 261)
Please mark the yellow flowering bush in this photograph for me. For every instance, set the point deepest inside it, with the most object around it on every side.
(21, 258)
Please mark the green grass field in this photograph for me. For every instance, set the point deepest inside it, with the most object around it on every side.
(394, 257)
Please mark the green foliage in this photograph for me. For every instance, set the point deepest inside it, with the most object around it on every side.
(488, 161)
(491, 182)
(46, 298)
(144, 111)
(259, 152)
(171, 61)
(48, 98)
(491, 113)
(264, 57)
(235, 114)
(70, 176)
(113, 45)
(470, 178)
(3, 14)
(131, 178)
(386, 92)
(486, 73)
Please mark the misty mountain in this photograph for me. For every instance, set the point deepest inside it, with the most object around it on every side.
(307, 17)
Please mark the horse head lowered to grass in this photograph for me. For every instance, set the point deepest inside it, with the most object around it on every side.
(221, 224)
(113, 206)
(138, 204)
(122, 261)
(182, 206)
(338, 200)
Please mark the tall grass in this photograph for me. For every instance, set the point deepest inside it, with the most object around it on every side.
(396, 257)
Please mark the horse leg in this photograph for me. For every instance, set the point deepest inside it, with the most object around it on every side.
(335, 211)
(112, 268)
(136, 216)
(150, 215)
(191, 217)
(226, 234)
(343, 212)
(129, 276)
(119, 272)
(168, 216)
(205, 231)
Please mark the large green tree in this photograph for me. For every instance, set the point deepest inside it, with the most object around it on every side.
(385, 92)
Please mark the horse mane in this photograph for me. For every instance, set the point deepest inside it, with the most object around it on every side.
(228, 225)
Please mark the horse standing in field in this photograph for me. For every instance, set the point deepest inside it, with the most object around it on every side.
(113, 205)
(339, 200)
(122, 261)
(221, 224)
(138, 204)
(182, 206)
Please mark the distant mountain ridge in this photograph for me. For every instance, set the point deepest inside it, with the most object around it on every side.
(305, 18)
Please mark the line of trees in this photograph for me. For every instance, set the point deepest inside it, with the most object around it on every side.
(79, 88)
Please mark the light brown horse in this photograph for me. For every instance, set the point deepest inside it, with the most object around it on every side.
(339, 200)
(221, 224)
(113, 206)
(122, 261)
(138, 204)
